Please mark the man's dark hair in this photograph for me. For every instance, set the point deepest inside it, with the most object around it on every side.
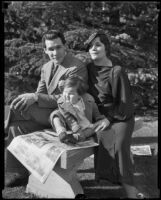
(51, 35)
(76, 81)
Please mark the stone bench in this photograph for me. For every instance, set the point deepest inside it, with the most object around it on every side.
(62, 181)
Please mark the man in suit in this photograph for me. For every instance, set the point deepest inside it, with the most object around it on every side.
(30, 112)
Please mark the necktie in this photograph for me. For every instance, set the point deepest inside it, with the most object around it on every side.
(53, 71)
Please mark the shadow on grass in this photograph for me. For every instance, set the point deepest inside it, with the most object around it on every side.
(103, 192)
(145, 177)
(150, 114)
(144, 140)
(89, 170)
(103, 189)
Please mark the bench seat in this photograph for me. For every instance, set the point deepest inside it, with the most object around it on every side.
(62, 182)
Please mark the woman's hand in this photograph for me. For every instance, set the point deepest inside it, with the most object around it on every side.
(101, 125)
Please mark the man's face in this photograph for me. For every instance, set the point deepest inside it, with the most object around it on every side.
(55, 49)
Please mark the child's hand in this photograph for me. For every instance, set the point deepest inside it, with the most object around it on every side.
(70, 139)
(67, 138)
(101, 125)
(80, 137)
(62, 136)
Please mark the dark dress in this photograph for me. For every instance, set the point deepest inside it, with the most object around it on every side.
(111, 90)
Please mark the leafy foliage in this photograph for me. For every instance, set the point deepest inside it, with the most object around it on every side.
(131, 27)
(76, 38)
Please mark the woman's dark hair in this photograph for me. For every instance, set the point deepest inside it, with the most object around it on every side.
(103, 38)
(77, 82)
(51, 35)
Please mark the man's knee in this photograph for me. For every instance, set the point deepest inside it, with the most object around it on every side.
(38, 114)
(13, 115)
(13, 131)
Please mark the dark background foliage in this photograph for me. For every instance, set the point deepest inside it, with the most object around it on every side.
(132, 28)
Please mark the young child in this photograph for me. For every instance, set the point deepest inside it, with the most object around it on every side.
(77, 111)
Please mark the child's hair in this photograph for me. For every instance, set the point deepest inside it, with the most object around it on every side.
(77, 82)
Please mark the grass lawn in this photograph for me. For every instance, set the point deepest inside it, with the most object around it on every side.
(145, 174)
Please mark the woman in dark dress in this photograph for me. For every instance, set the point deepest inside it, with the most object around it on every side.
(110, 87)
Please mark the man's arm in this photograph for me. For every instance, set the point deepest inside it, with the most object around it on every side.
(42, 97)
(42, 84)
(46, 101)
(24, 101)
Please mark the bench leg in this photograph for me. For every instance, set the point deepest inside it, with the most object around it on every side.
(61, 183)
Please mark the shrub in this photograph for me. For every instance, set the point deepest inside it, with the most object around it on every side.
(24, 61)
(76, 38)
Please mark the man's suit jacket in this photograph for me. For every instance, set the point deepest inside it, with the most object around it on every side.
(47, 90)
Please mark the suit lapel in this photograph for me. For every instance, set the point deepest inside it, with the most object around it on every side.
(48, 72)
(56, 78)
(62, 69)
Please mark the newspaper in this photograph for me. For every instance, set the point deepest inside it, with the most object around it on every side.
(141, 150)
(40, 151)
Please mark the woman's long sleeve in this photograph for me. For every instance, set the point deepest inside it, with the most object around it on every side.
(122, 95)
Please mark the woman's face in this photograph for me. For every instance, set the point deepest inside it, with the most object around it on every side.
(71, 95)
(97, 49)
